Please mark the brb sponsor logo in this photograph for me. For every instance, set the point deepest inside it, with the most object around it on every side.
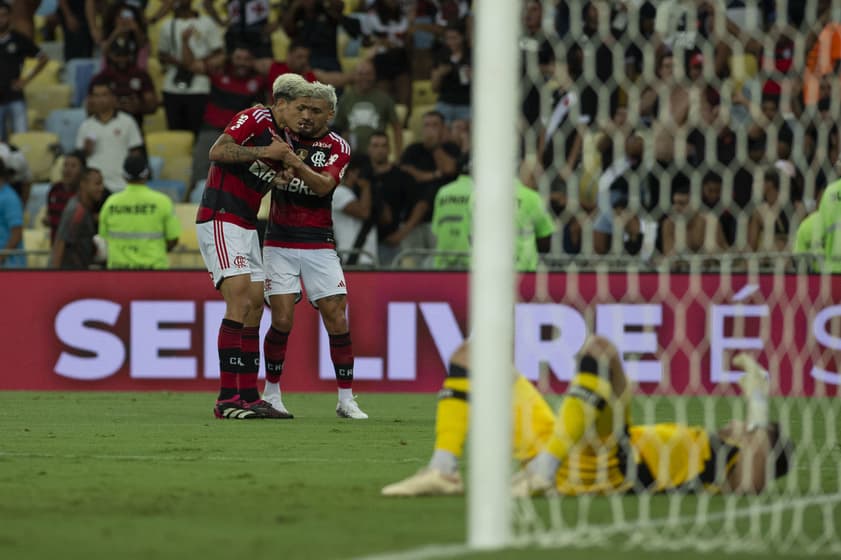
(159, 344)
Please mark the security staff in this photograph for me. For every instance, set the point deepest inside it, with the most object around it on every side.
(138, 224)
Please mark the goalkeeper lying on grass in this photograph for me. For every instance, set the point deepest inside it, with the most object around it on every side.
(592, 447)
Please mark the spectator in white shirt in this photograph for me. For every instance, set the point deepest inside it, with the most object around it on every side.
(108, 136)
(185, 93)
(354, 224)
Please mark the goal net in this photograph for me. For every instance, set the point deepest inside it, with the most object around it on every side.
(680, 145)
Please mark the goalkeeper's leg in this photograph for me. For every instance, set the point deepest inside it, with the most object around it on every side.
(533, 421)
(599, 388)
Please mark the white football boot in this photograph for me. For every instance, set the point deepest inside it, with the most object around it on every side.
(426, 482)
(347, 408)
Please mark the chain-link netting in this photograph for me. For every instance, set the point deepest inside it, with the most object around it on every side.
(681, 144)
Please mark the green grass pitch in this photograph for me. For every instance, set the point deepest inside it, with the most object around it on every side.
(152, 475)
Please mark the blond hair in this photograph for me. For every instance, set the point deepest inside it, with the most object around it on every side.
(290, 86)
(325, 92)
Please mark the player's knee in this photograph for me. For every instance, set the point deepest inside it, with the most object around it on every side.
(282, 323)
(461, 357)
(600, 348)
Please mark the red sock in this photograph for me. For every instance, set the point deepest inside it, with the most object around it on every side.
(341, 352)
(229, 344)
(274, 348)
(251, 364)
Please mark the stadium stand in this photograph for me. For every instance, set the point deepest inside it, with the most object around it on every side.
(64, 123)
(39, 148)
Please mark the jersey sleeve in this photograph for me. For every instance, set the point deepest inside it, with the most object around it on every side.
(244, 125)
(339, 158)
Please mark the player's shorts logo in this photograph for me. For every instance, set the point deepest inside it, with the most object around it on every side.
(240, 261)
(319, 159)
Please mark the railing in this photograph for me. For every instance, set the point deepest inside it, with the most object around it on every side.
(425, 259)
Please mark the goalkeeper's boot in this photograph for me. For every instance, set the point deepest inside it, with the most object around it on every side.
(526, 483)
(276, 403)
(264, 409)
(755, 387)
(755, 379)
(233, 409)
(426, 482)
(347, 408)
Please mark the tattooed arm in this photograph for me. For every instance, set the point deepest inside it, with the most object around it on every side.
(226, 150)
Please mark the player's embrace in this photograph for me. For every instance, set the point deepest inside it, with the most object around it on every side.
(300, 246)
(246, 162)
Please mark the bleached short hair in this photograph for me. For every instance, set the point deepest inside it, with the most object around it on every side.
(325, 92)
(290, 86)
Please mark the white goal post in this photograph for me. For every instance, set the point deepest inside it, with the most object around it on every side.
(495, 75)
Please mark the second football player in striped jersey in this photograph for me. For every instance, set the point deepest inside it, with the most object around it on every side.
(300, 248)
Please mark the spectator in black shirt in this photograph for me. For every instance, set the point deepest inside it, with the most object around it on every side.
(315, 23)
(78, 42)
(452, 77)
(14, 49)
(432, 162)
(393, 196)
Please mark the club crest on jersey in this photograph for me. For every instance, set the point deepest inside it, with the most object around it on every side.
(319, 159)
(302, 153)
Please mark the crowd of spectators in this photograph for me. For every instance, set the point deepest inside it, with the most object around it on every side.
(652, 130)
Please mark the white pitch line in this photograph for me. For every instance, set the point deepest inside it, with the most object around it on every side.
(447, 551)
(194, 458)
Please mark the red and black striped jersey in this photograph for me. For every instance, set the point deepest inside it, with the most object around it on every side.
(233, 191)
(300, 218)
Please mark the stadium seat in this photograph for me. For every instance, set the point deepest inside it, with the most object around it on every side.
(47, 98)
(280, 44)
(36, 202)
(349, 63)
(39, 150)
(401, 111)
(156, 166)
(57, 169)
(174, 189)
(64, 123)
(50, 74)
(156, 72)
(186, 214)
(422, 93)
(36, 240)
(743, 68)
(186, 253)
(156, 122)
(198, 190)
(170, 143)
(77, 74)
(178, 168)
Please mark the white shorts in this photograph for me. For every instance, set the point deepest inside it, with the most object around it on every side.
(319, 269)
(230, 250)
